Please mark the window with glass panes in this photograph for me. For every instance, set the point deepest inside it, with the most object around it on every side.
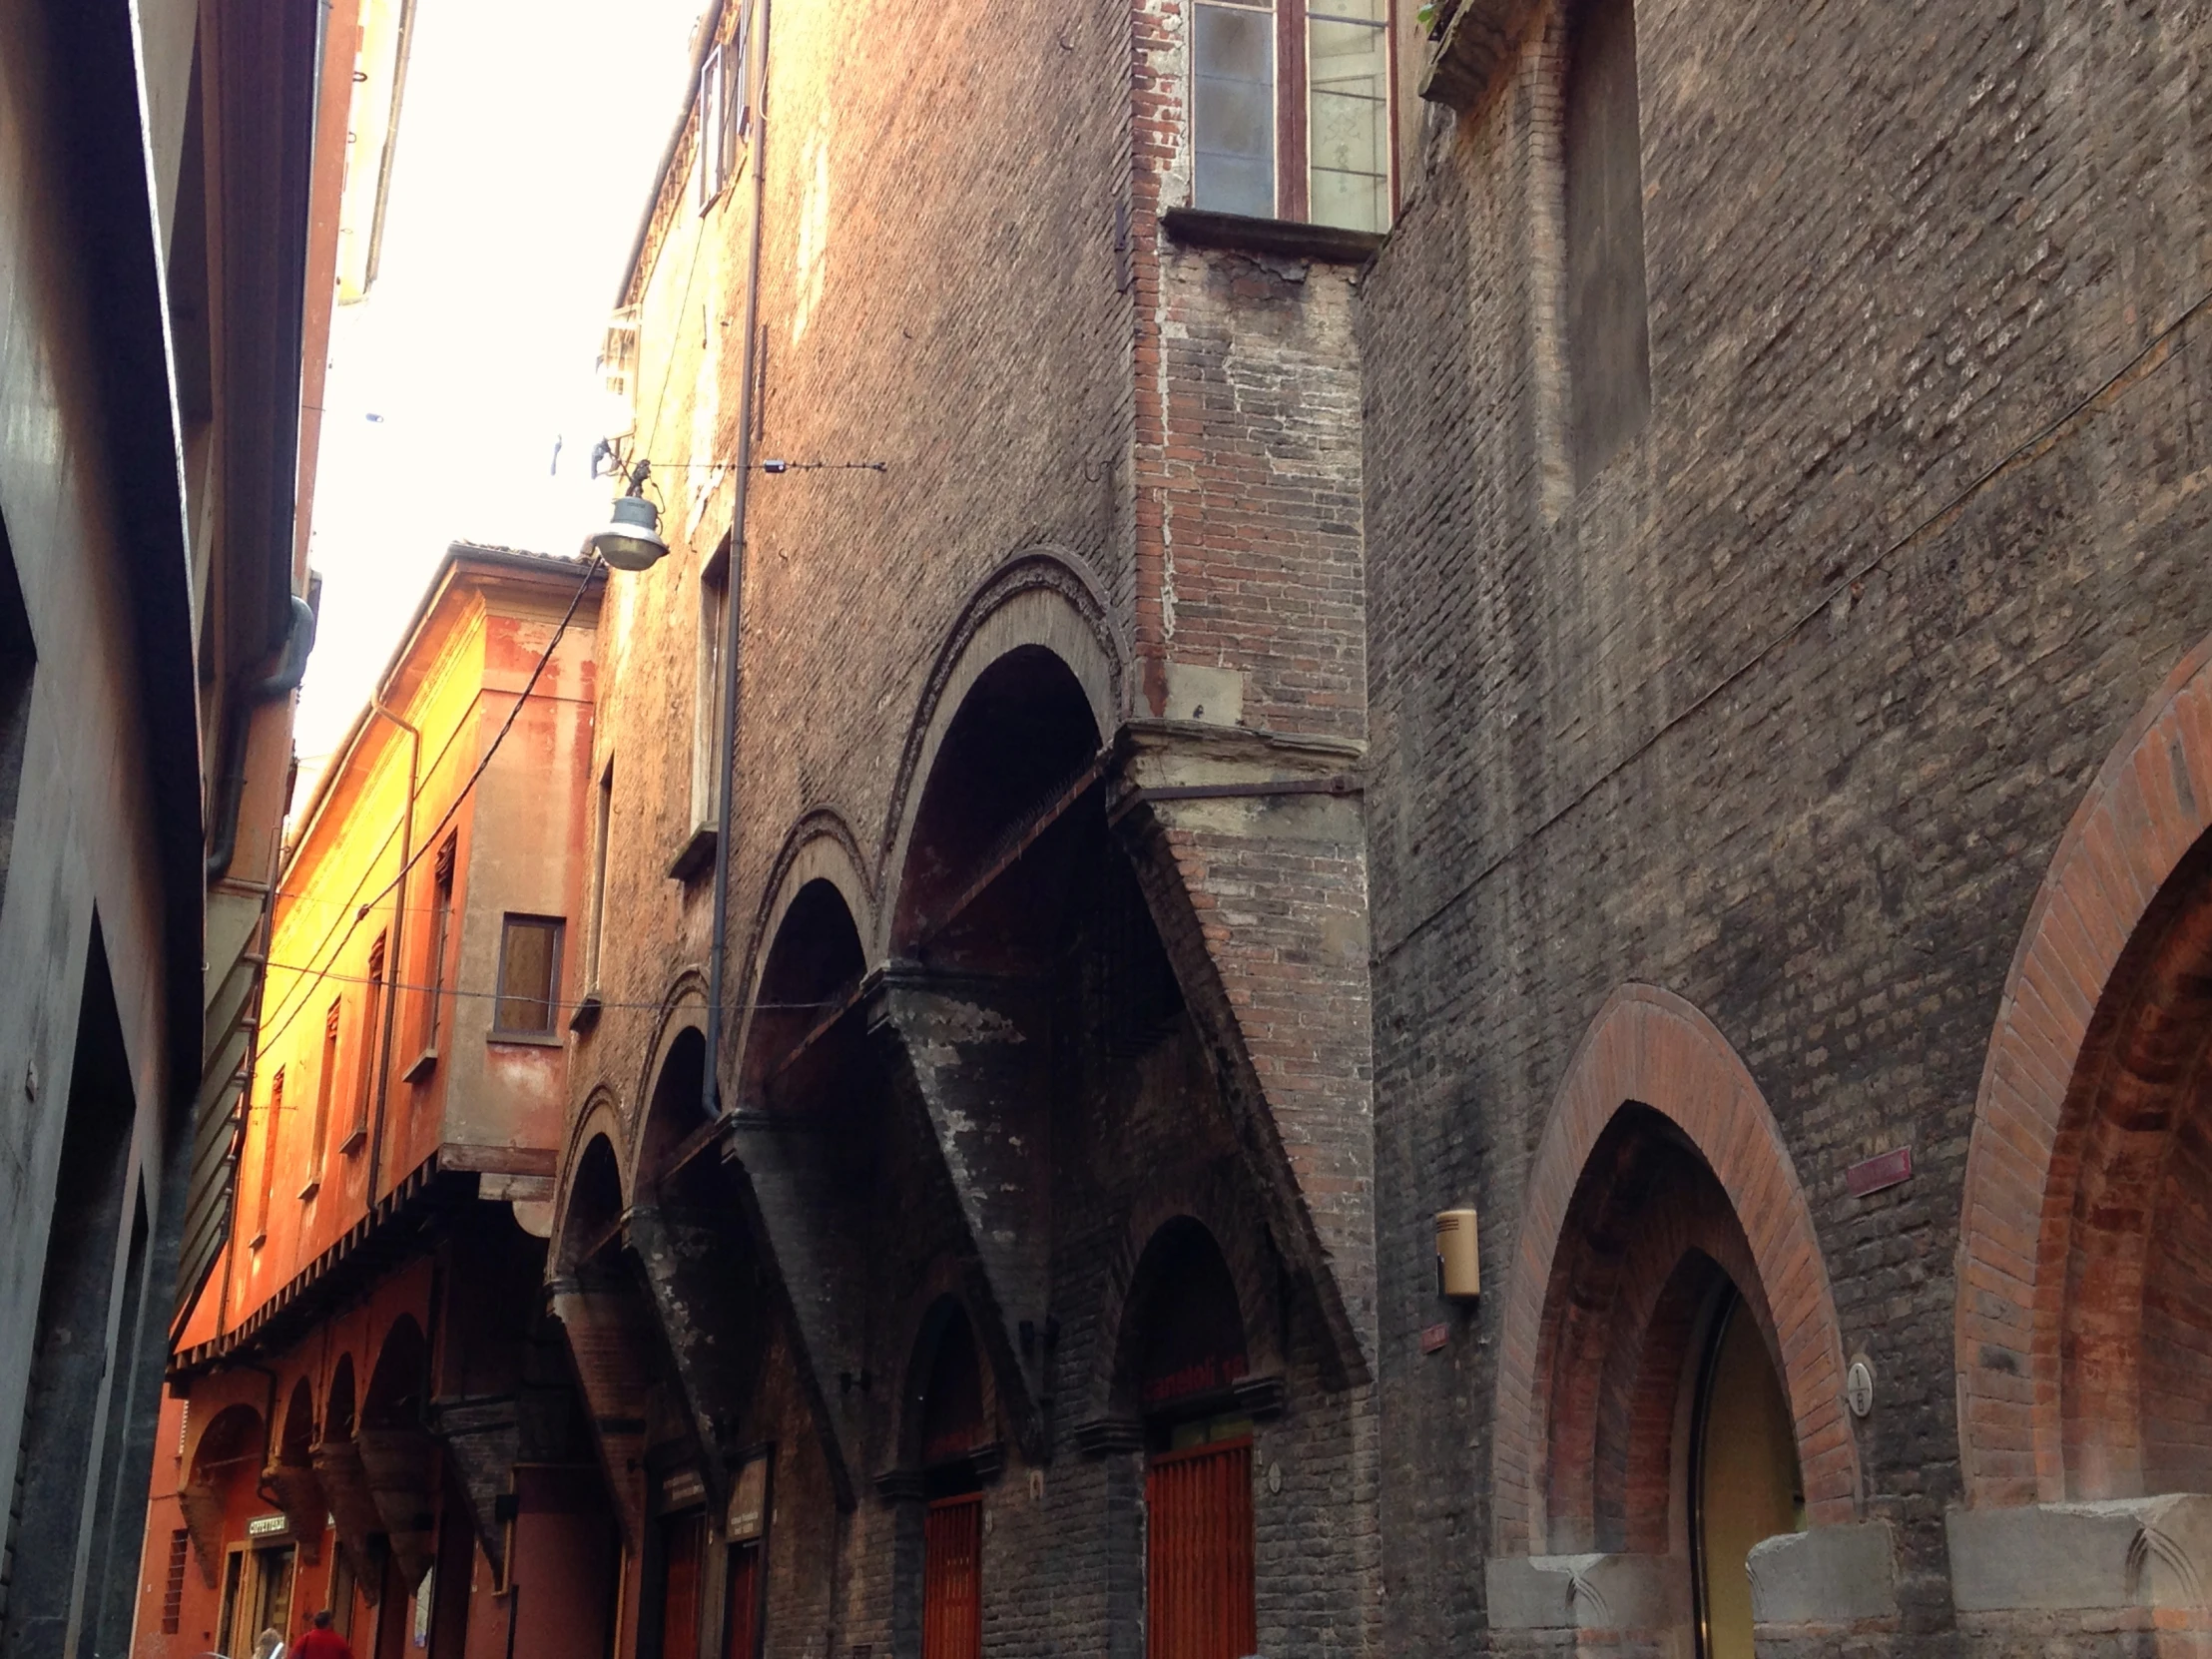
(1291, 109)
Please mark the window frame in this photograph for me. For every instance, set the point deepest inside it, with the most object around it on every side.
(273, 1110)
(714, 626)
(602, 815)
(324, 1086)
(437, 948)
(372, 1010)
(722, 99)
(550, 1034)
(1292, 155)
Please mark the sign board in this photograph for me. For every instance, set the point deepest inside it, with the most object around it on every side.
(748, 1500)
(1883, 1170)
(1433, 1338)
(681, 1488)
(268, 1526)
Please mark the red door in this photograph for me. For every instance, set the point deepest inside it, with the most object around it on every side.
(682, 1542)
(743, 1625)
(1198, 1553)
(953, 1578)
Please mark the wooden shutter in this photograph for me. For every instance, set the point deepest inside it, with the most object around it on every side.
(682, 1542)
(1197, 1554)
(742, 1640)
(953, 1578)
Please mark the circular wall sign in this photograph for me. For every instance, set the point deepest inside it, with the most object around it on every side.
(1858, 1387)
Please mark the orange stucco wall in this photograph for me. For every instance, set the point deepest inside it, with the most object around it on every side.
(522, 844)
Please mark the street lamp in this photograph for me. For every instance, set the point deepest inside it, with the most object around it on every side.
(631, 540)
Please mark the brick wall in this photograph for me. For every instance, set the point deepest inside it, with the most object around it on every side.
(964, 278)
(1786, 709)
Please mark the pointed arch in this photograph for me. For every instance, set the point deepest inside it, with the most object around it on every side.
(1649, 1048)
(338, 1401)
(2099, 980)
(398, 1387)
(590, 1207)
(1043, 600)
(949, 1391)
(807, 945)
(297, 1442)
(683, 1009)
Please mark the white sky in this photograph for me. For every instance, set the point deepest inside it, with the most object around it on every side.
(526, 146)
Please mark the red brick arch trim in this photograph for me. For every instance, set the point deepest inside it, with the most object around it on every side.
(1650, 1047)
(2150, 804)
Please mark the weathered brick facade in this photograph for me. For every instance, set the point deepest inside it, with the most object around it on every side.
(1234, 626)
(1048, 881)
(1786, 713)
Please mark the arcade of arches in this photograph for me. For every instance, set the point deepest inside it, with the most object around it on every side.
(989, 1305)
(991, 1246)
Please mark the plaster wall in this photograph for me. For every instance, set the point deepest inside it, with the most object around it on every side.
(83, 845)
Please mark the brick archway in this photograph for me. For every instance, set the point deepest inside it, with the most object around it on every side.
(2040, 1135)
(1649, 1048)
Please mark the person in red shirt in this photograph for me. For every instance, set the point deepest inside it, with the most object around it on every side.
(319, 1641)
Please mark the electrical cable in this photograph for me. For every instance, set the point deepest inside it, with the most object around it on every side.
(2138, 367)
(491, 996)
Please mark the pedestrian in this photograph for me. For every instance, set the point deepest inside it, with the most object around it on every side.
(319, 1641)
(270, 1644)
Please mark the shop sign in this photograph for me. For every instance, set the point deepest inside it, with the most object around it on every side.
(267, 1527)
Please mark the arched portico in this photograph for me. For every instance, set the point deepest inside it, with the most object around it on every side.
(1662, 1213)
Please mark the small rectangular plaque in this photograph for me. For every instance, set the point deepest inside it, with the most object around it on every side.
(749, 1503)
(1433, 1338)
(681, 1488)
(1884, 1169)
(267, 1527)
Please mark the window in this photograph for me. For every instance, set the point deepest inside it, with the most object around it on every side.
(1608, 343)
(724, 113)
(529, 977)
(274, 1116)
(606, 813)
(326, 1077)
(437, 947)
(1291, 109)
(372, 1013)
(714, 620)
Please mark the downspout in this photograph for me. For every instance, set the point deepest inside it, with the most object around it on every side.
(734, 622)
(290, 668)
(269, 1431)
(392, 977)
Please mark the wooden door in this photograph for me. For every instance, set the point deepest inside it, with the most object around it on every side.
(683, 1551)
(742, 1625)
(953, 1578)
(1198, 1553)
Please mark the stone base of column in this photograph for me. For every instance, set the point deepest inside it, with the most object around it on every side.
(2122, 1576)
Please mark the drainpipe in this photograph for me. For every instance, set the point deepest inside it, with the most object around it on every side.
(268, 1431)
(734, 622)
(392, 941)
(291, 667)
